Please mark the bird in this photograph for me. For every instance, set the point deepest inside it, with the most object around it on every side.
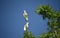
(26, 26)
(25, 15)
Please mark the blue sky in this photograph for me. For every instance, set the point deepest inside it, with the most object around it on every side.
(12, 20)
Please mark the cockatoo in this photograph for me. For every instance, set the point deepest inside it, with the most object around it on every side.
(25, 15)
(26, 26)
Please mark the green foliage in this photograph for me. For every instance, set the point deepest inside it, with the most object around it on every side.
(53, 21)
(28, 35)
(46, 11)
(46, 35)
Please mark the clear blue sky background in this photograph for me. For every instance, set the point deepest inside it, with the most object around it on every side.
(12, 21)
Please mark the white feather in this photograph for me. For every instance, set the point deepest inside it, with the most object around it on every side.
(25, 14)
(26, 26)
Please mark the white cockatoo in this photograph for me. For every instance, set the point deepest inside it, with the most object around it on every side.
(26, 26)
(25, 15)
